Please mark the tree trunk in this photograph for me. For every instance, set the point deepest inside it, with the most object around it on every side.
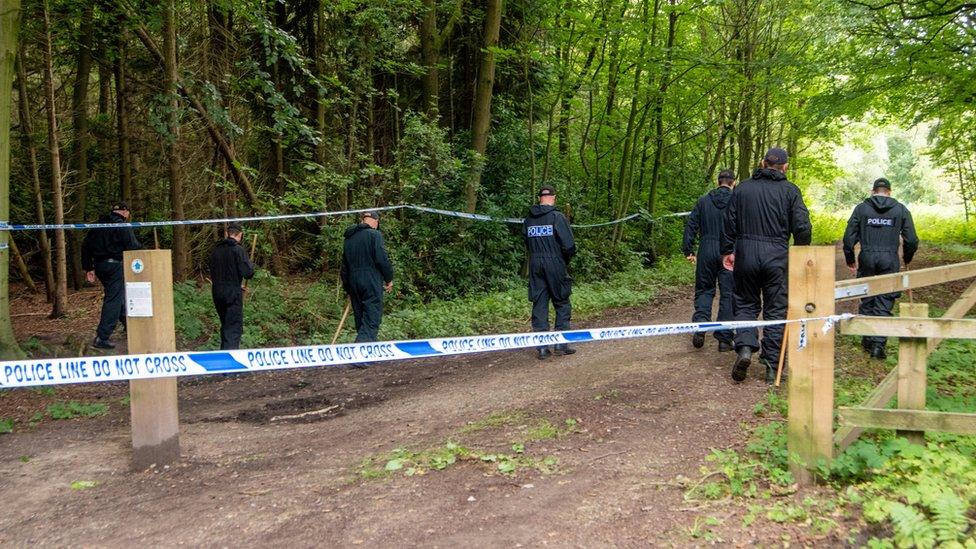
(21, 266)
(659, 109)
(59, 308)
(9, 25)
(430, 57)
(482, 102)
(79, 151)
(27, 133)
(176, 197)
(122, 124)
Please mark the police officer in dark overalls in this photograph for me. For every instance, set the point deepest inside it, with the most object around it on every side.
(101, 258)
(549, 241)
(366, 273)
(706, 221)
(762, 214)
(877, 224)
(229, 266)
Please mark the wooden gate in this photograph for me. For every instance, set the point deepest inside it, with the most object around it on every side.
(813, 293)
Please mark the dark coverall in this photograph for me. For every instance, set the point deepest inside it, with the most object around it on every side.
(706, 219)
(876, 224)
(101, 251)
(549, 240)
(365, 268)
(762, 214)
(229, 266)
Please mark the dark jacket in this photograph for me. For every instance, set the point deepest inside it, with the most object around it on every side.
(706, 219)
(767, 208)
(229, 265)
(547, 233)
(102, 244)
(364, 252)
(876, 224)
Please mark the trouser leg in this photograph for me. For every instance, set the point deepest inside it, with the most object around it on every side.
(357, 311)
(775, 303)
(704, 291)
(870, 264)
(372, 316)
(747, 300)
(112, 279)
(540, 312)
(233, 325)
(563, 312)
(726, 288)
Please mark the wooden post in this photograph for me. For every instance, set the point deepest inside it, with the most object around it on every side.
(912, 354)
(811, 383)
(153, 404)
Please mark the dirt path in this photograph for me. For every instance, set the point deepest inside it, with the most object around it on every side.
(645, 411)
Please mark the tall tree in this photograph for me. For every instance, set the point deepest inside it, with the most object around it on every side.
(27, 133)
(59, 307)
(78, 175)
(170, 82)
(482, 101)
(9, 27)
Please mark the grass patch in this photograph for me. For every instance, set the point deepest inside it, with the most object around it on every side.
(73, 409)
(914, 496)
(413, 463)
(496, 420)
(6, 425)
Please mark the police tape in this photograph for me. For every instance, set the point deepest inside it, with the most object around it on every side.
(309, 215)
(58, 371)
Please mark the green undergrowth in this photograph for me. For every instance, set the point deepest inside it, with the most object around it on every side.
(517, 428)
(932, 227)
(885, 491)
(282, 312)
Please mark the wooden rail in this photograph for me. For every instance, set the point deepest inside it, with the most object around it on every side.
(856, 288)
(915, 420)
(885, 391)
(942, 328)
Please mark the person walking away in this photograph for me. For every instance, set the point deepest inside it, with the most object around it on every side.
(229, 266)
(549, 241)
(101, 258)
(705, 225)
(366, 273)
(877, 224)
(762, 214)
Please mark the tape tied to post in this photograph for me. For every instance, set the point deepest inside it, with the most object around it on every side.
(57, 371)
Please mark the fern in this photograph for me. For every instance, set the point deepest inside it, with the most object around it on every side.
(949, 517)
(912, 529)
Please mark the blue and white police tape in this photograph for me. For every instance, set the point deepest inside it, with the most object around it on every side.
(56, 371)
(309, 215)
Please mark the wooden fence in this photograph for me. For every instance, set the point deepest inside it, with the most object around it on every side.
(813, 293)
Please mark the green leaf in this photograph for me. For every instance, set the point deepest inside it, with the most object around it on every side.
(83, 484)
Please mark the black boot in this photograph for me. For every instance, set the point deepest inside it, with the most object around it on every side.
(543, 353)
(724, 346)
(742, 362)
(100, 343)
(770, 372)
(564, 349)
(878, 352)
(698, 340)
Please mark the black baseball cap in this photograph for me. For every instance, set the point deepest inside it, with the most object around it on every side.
(726, 175)
(235, 228)
(881, 182)
(120, 205)
(776, 156)
(373, 214)
(547, 190)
